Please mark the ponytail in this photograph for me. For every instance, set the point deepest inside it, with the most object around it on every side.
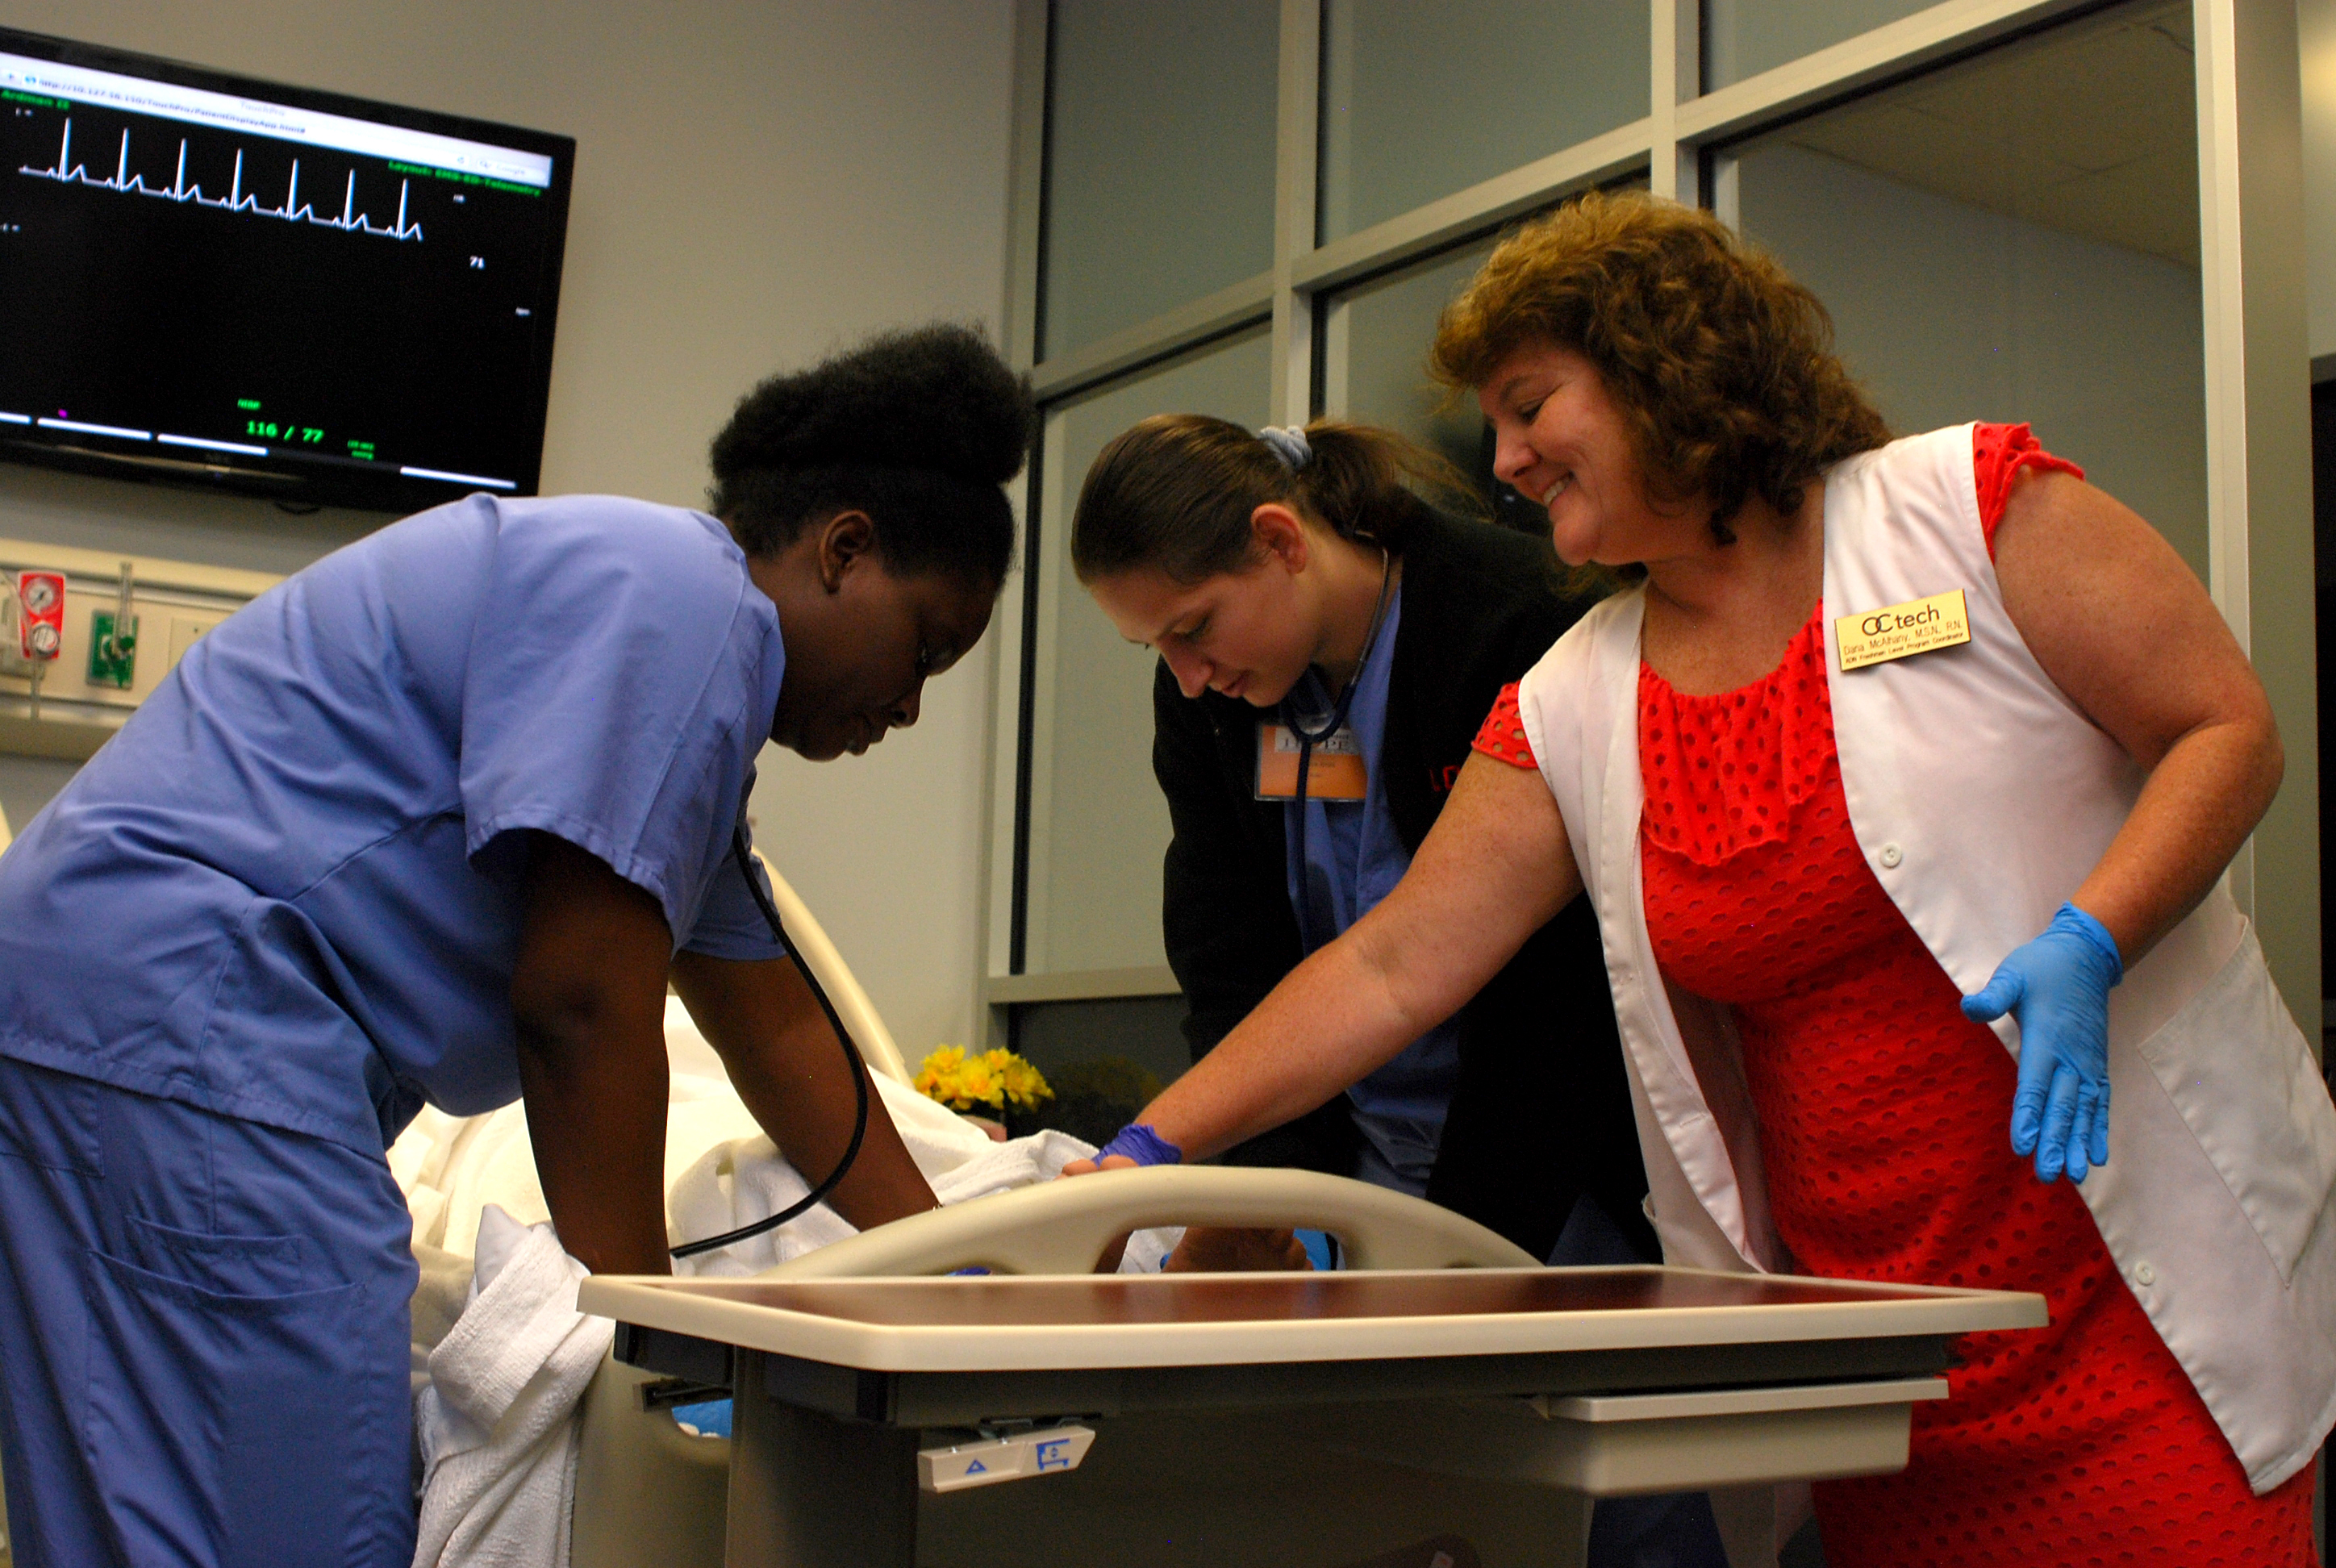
(1174, 493)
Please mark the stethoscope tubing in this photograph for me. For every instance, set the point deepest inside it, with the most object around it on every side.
(1308, 739)
(819, 1194)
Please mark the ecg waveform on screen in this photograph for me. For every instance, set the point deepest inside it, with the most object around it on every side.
(293, 209)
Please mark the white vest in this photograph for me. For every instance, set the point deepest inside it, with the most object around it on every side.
(1981, 797)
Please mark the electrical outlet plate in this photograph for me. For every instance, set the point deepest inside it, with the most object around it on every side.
(108, 664)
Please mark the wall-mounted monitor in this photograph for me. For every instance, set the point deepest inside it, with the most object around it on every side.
(224, 282)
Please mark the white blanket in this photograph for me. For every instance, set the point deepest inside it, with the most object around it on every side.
(735, 1184)
(501, 1358)
(496, 1421)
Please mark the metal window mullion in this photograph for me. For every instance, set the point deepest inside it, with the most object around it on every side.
(1004, 798)
(1046, 589)
(1296, 185)
(2259, 518)
(1026, 182)
(1336, 317)
(1004, 782)
(1083, 984)
(1439, 224)
(1675, 28)
(2223, 299)
(1232, 308)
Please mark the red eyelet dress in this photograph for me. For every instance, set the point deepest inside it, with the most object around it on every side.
(1885, 1119)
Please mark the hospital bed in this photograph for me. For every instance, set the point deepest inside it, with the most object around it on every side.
(1441, 1389)
(851, 1004)
(1441, 1399)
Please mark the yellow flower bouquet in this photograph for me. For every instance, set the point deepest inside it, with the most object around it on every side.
(993, 1080)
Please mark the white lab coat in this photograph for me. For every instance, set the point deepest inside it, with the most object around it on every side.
(1982, 797)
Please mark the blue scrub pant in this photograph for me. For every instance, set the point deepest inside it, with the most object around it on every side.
(203, 1332)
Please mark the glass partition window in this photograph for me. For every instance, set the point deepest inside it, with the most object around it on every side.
(1743, 38)
(1421, 100)
(1098, 825)
(2000, 206)
(1159, 159)
(2015, 238)
(1374, 342)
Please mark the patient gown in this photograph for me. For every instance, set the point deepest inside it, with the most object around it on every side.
(1883, 1118)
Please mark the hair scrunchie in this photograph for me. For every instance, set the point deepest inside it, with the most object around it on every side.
(1288, 443)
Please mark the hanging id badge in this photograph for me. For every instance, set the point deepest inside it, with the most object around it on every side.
(1336, 772)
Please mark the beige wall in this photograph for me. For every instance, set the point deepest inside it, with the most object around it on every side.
(755, 183)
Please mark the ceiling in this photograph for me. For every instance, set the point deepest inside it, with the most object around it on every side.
(2090, 128)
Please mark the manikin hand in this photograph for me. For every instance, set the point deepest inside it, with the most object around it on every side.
(2058, 987)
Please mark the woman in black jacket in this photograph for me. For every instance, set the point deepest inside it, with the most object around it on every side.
(1295, 577)
(1308, 603)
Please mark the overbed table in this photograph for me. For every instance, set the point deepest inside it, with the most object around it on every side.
(1289, 1420)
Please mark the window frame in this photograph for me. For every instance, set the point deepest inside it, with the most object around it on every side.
(2258, 436)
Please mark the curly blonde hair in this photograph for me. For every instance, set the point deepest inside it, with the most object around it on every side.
(1721, 365)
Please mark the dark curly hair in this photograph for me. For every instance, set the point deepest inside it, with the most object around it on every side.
(1722, 365)
(919, 429)
(1174, 493)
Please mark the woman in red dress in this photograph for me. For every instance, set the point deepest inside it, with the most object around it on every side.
(1786, 856)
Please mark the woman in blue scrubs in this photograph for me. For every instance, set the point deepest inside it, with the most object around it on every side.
(437, 820)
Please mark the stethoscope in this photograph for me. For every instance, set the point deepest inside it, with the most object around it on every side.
(1308, 739)
(744, 856)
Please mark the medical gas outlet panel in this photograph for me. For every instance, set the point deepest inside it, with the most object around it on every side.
(86, 636)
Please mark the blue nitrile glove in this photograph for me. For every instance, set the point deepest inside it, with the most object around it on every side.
(2058, 986)
(1139, 1143)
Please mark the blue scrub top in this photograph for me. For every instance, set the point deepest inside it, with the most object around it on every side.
(1354, 858)
(288, 890)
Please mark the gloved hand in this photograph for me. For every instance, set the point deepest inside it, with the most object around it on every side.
(1139, 1143)
(2058, 986)
(1132, 1146)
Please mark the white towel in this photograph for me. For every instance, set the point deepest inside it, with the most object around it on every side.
(495, 1424)
(737, 1183)
(496, 1396)
(496, 1419)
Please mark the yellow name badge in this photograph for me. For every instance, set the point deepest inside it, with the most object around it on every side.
(1901, 630)
(1334, 772)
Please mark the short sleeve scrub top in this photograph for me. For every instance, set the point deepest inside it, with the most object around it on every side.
(268, 921)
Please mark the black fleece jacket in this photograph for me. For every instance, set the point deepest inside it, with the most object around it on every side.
(1541, 1113)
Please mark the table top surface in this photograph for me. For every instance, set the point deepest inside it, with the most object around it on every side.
(1041, 1322)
